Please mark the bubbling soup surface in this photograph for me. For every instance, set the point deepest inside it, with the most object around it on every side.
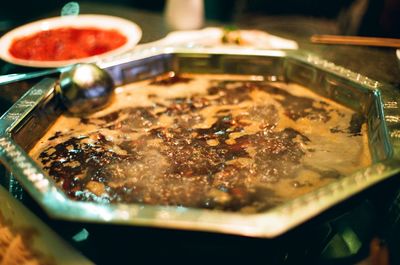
(214, 142)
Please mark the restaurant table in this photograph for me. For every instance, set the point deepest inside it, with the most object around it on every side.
(368, 211)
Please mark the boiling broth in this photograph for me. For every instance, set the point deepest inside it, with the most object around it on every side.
(216, 142)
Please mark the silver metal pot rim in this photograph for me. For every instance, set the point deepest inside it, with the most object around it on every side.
(267, 224)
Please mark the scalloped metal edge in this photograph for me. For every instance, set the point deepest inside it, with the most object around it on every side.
(269, 224)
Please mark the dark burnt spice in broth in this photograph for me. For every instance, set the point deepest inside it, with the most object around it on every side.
(205, 142)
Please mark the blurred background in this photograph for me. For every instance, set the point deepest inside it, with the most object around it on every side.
(352, 17)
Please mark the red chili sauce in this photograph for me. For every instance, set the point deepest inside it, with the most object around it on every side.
(66, 43)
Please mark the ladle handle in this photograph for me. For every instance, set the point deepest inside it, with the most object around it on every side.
(12, 155)
(10, 78)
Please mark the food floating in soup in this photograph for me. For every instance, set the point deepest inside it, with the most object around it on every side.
(66, 43)
(215, 142)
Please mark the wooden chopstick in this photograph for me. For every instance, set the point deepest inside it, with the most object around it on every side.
(356, 40)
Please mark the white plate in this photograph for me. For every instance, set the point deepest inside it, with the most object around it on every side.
(132, 32)
(212, 37)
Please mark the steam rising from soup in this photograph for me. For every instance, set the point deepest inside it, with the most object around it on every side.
(207, 142)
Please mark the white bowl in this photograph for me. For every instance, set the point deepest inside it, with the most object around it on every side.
(130, 30)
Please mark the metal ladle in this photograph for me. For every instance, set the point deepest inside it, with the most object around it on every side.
(85, 88)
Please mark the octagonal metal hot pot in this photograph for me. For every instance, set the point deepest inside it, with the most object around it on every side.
(27, 120)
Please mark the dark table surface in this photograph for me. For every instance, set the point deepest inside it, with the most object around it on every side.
(380, 64)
